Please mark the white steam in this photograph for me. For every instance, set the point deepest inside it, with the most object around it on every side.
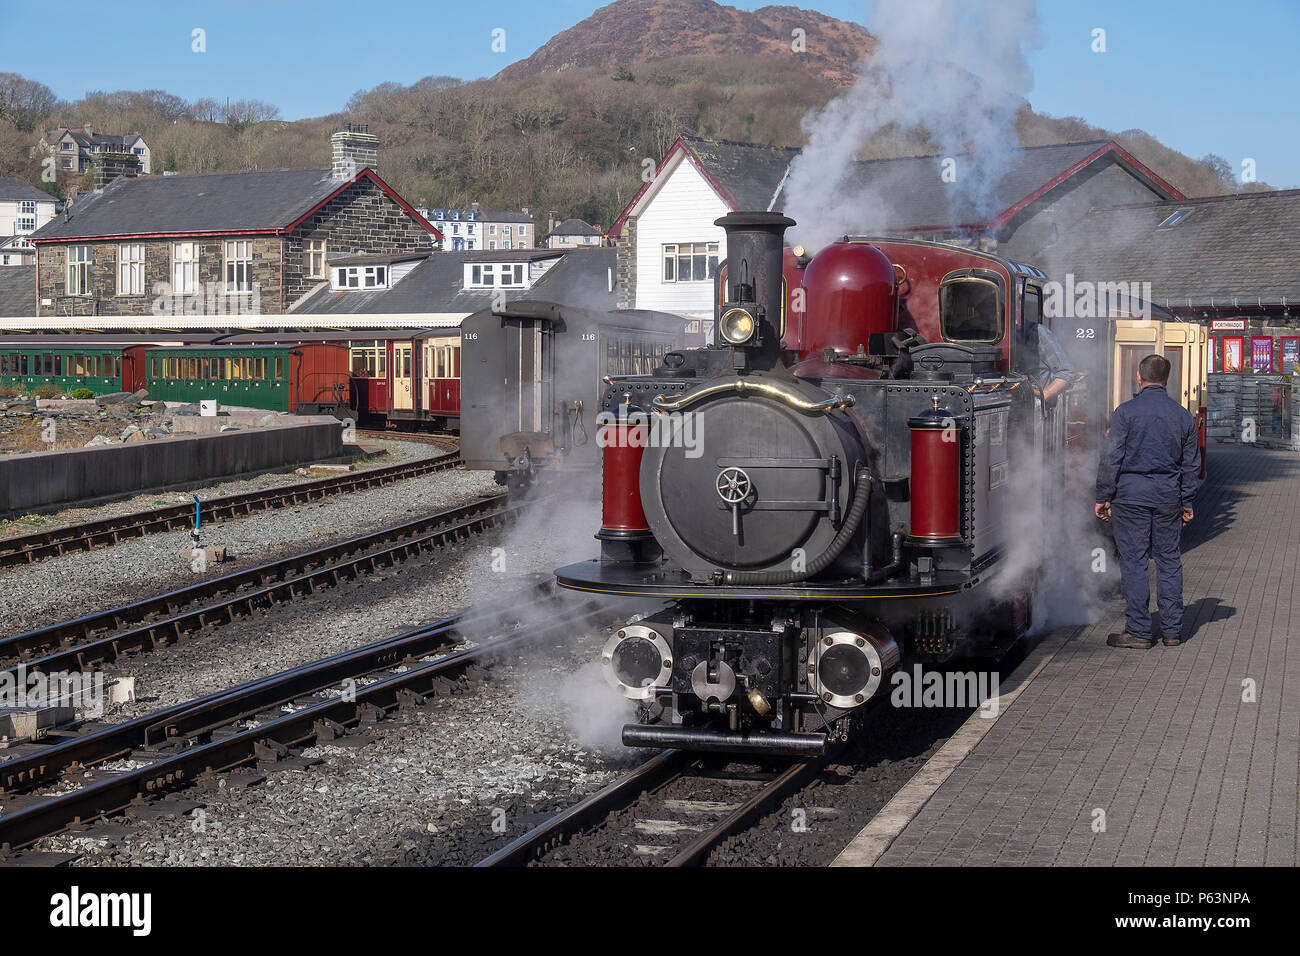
(959, 70)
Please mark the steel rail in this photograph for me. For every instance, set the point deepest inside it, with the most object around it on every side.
(589, 811)
(654, 774)
(193, 718)
(79, 642)
(41, 545)
(321, 722)
(755, 808)
(423, 438)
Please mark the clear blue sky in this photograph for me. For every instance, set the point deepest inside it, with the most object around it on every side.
(1202, 76)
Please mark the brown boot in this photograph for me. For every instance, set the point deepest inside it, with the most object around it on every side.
(1172, 640)
(1128, 640)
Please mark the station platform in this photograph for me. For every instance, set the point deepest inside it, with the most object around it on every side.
(1182, 756)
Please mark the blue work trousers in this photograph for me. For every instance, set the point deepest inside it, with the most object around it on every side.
(1143, 534)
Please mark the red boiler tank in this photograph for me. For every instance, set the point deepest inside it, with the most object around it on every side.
(850, 293)
(623, 444)
(936, 478)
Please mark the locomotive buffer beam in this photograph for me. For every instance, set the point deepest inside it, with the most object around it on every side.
(677, 737)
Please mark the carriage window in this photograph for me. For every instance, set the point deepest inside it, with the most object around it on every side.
(279, 367)
(23, 363)
(117, 366)
(369, 359)
(969, 310)
(58, 365)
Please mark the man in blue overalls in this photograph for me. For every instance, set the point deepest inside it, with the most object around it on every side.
(1146, 480)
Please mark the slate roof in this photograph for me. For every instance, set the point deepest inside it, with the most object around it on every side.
(1244, 246)
(85, 140)
(16, 190)
(505, 215)
(752, 175)
(18, 291)
(579, 278)
(918, 197)
(213, 202)
(575, 227)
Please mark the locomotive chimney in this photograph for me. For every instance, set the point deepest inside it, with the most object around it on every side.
(755, 242)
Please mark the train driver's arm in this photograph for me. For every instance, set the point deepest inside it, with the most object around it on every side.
(1059, 372)
(1055, 387)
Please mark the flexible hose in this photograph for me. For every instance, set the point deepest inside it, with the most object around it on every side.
(858, 508)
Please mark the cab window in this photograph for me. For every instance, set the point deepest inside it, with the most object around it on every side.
(970, 309)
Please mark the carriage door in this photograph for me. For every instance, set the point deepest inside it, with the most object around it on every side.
(1135, 339)
(531, 380)
(402, 376)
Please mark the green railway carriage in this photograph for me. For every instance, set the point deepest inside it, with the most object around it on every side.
(310, 378)
(102, 369)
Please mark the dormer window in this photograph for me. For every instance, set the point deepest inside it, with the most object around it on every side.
(360, 277)
(490, 275)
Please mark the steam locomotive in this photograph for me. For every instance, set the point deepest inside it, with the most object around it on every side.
(850, 478)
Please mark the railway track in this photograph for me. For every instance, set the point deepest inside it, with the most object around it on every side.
(30, 548)
(83, 642)
(673, 810)
(422, 438)
(262, 721)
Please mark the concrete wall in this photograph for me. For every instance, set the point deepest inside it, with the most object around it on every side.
(43, 480)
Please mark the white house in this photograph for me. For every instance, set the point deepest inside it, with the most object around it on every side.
(23, 210)
(468, 230)
(668, 246)
(573, 234)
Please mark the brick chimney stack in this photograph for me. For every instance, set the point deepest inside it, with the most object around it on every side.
(111, 166)
(355, 149)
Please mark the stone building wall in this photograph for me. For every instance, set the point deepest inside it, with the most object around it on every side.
(157, 299)
(361, 220)
(625, 264)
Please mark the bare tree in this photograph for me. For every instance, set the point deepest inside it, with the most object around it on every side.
(24, 102)
(242, 114)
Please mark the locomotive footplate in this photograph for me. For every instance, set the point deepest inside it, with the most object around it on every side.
(600, 578)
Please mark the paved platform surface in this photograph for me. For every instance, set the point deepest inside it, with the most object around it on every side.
(1161, 741)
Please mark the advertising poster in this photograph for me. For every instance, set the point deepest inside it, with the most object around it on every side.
(1231, 354)
(1261, 353)
(1290, 354)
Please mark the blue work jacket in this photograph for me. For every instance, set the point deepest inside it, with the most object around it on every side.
(1151, 455)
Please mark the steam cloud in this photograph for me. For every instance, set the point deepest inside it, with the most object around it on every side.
(955, 68)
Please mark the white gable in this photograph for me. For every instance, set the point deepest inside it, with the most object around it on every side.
(681, 209)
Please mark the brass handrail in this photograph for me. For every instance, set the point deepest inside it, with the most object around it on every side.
(662, 404)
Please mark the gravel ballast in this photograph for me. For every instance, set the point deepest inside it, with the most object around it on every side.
(442, 784)
(36, 595)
